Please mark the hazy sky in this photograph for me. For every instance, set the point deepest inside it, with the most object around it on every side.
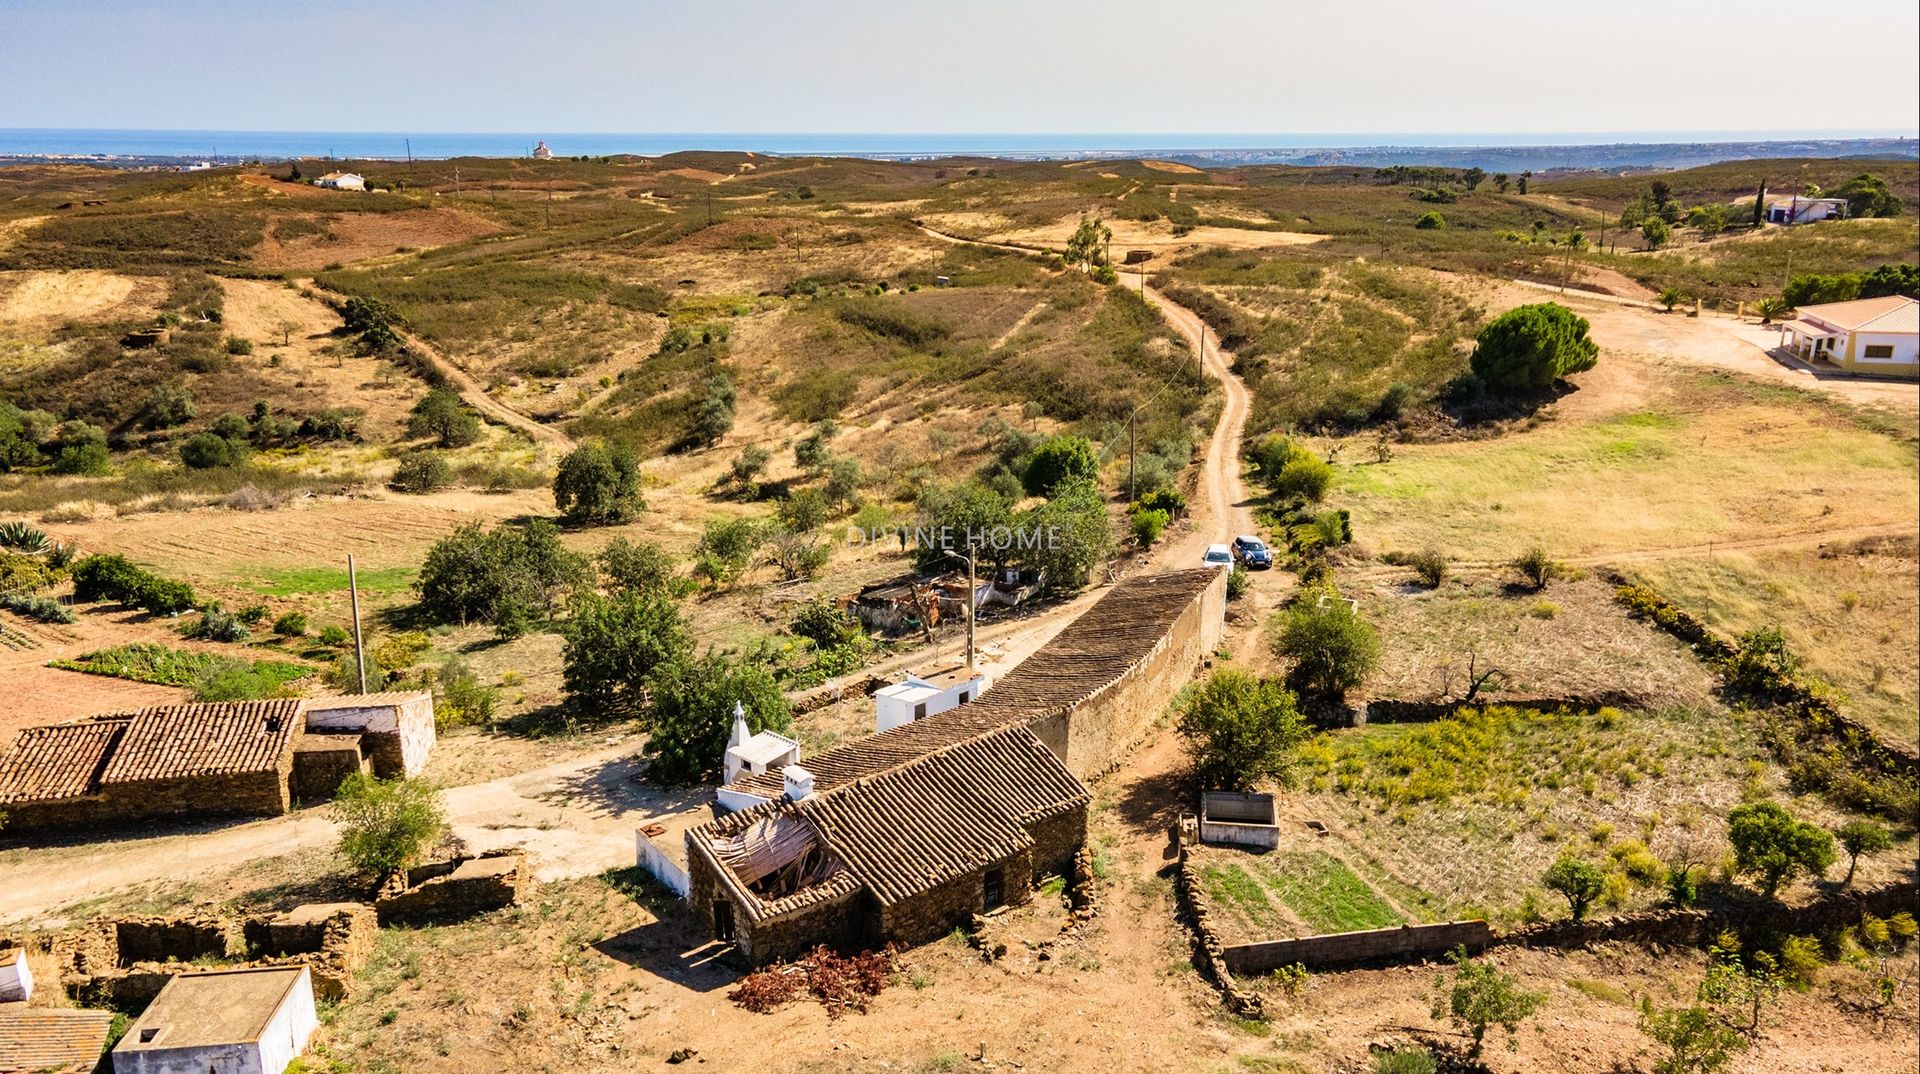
(1402, 66)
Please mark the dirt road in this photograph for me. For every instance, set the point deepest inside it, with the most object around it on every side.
(475, 394)
(1221, 510)
(574, 818)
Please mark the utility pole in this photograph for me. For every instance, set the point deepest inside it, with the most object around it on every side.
(972, 594)
(409, 142)
(549, 208)
(1131, 421)
(359, 646)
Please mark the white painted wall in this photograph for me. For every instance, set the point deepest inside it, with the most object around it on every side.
(664, 869)
(411, 720)
(16, 980)
(894, 706)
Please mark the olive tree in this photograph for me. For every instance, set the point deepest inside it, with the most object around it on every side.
(1770, 843)
(1240, 729)
(387, 825)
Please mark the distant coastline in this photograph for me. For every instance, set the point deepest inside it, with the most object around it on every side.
(1512, 152)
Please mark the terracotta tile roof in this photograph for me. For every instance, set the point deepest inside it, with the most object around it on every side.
(915, 826)
(58, 761)
(1893, 313)
(375, 700)
(52, 1040)
(221, 738)
(1092, 653)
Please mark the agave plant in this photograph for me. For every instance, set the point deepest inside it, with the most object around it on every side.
(23, 538)
(1771, 309)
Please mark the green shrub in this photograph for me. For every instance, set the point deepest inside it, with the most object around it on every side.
(1304, 477)
(442, 415)
(334, 636)
(1430, 566)
(40, 609)
(387, 825)
(1430, 221)
(209, 450)
(1770, 843)
(1537, 568)
(1528, 348)
(1331, 649)
(1147, 527)
(1577, 881)
(291, 625)
(422, 471)
(1239, 580)
(238, 345)
(216, 625)
(460, 699)
(1057, 461)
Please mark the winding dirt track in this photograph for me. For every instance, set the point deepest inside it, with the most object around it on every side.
(1221, 510)
(475, 396)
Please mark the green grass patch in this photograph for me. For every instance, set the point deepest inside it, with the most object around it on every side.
(299, 581)
(1327, 895)
(211, 676)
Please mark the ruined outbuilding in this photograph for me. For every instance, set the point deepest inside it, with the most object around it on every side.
(220, 759)
(901, 835)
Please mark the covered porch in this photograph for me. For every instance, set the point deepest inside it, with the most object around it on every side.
(1811, 340)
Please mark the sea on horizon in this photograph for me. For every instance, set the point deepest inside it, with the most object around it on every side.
(375, 145)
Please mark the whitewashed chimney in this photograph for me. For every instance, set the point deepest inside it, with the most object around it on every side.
(799, 782)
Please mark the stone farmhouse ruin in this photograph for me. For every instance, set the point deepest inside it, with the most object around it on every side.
(902, 835)
(222, 759)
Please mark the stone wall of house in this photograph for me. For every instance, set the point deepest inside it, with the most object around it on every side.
(240, 794)
(1055, 842)
(1093, 737)
(847, 923)
(399, 735)
(932, 914)
(321, 763)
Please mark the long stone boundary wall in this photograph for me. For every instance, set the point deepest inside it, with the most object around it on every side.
(1816, 712)
(1697, 927)
(1338, 950)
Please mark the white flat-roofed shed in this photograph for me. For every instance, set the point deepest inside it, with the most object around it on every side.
(397, 727)
(920, 696)
(255, 1020)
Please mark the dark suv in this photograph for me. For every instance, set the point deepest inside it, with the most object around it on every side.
(1250, 553)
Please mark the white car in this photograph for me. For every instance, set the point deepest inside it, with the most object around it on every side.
(1218, 555)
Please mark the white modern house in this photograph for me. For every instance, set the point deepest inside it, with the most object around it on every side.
(341, 181)
(255, 1020)
(750, 753)
(921, 696)
(1866, 335)
(1795, 209)
(541, 152)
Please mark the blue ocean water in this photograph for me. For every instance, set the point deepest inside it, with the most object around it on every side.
(280, 145)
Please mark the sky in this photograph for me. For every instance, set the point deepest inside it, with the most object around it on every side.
(1002, 66)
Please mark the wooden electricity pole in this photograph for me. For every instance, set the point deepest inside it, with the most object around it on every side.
(359, 646)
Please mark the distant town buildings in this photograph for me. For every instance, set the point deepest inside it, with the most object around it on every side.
(541, 152)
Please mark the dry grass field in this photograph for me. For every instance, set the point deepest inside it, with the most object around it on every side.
(584, 299)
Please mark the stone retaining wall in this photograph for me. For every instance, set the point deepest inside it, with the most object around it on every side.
(1339, 950)
(1698, 927)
